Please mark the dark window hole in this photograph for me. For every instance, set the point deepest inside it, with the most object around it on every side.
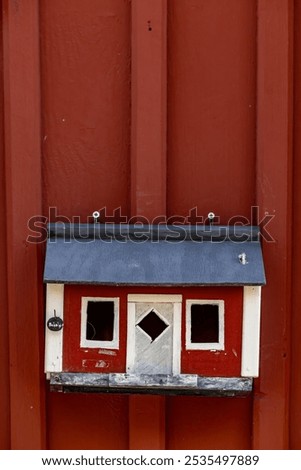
(204, 323)
(100, 321)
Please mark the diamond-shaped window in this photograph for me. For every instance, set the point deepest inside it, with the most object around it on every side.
(152, 325)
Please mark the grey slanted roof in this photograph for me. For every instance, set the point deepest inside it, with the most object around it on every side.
(153, 255)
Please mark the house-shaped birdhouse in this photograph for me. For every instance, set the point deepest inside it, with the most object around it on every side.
(153, 309)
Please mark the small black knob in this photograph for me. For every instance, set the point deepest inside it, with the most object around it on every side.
(55, 324)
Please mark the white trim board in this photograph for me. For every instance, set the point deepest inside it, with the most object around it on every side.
(177, 340)
(130, 345)
(251, 332)
(54, 339)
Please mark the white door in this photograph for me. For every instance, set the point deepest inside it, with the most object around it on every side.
(154, 334)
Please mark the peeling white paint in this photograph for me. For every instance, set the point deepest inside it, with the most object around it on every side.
(107, 352)
(101, 364)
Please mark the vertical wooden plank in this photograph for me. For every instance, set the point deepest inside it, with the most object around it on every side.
(274, 183)
(23, 200)
(208, 423)
(4, 346)
(148, 172)
(87, 421)
(85, 80)
(148, 169)
(211, 107)
(211, 164)
(86, 92)
(146, 422)
(4, 357)
(295, 402)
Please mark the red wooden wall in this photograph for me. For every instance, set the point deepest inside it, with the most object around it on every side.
(156, 107)
(226, 363)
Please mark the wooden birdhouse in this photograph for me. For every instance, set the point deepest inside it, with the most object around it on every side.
(159, 309)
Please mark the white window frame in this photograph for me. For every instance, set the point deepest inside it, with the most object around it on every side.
(88, 343)
(220, 345)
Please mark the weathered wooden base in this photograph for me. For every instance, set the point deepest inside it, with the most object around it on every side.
(151, 384)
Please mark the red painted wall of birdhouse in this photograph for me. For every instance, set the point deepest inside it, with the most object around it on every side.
(224, 363)
(80, 359)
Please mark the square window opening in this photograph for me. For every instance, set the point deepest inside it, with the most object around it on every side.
(100, 321)
(205, 325)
